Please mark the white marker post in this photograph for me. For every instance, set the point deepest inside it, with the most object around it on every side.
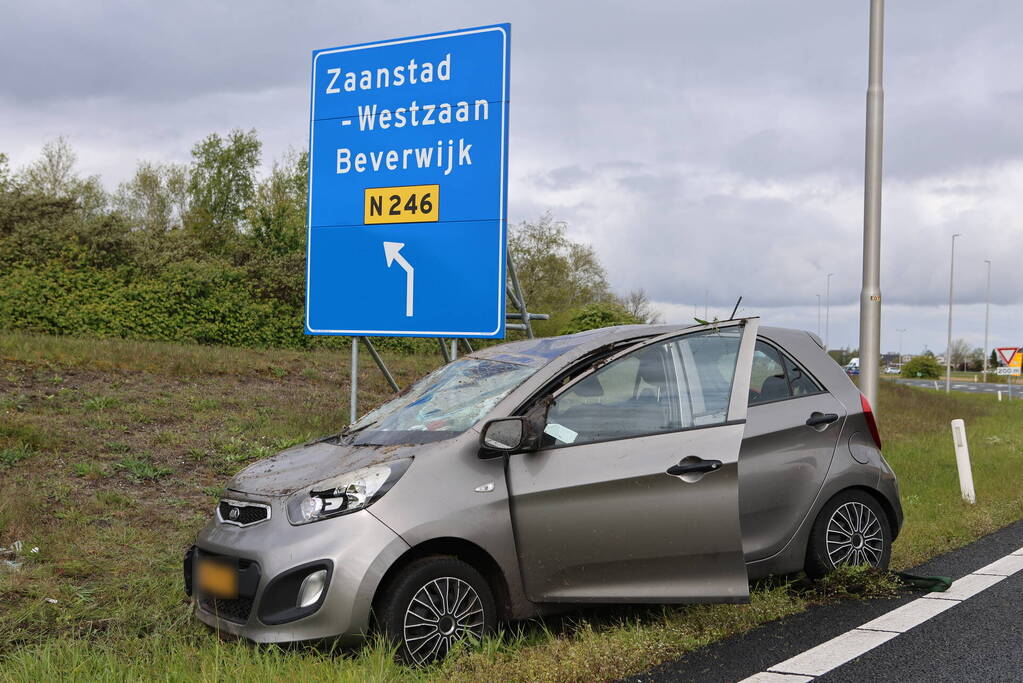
(963, 461)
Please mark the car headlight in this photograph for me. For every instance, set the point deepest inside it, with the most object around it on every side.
(344, 493)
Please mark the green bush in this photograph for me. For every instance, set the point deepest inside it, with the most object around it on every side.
(922, 366)
(597, 315)
(189, 302)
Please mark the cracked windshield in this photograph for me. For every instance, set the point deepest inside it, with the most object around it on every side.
(444, 403)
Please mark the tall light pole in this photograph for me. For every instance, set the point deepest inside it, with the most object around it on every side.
(870, 294)
(987, 313)
(900, 330)
(818, 315)
(948, 346)
(827, 312)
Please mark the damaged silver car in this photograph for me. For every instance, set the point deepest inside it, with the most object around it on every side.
(636, 464)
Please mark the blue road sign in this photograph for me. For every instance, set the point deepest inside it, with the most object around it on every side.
(408, 186)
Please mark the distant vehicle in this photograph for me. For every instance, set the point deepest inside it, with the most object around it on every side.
(892, 370)
(599, 467)
(852, 369)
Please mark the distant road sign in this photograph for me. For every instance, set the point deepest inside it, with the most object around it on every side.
(1010, 355)
(408, 186)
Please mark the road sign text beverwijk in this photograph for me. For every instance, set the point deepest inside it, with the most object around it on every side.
(395, 127)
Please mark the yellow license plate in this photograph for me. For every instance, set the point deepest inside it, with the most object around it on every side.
(217, 579)
(408, 204)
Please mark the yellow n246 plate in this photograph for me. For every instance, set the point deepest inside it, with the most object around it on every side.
(406, 204)
(218, 579)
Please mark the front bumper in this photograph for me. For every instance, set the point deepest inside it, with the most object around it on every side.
(357, 547)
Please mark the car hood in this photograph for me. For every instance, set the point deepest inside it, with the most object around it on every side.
(304, 466)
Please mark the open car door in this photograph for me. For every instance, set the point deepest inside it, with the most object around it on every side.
(633, 495)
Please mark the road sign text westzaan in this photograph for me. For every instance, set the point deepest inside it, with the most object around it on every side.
(408, 186)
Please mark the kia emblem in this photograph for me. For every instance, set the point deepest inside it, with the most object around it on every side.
(233, 514)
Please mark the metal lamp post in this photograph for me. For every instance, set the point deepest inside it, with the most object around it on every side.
(900, 330)
(870, 294)
(948, 347)
(827, 312)
(987, 314)
(818, 315)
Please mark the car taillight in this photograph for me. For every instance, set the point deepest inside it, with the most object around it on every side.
(871, 422)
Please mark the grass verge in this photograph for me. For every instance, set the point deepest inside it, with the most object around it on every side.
(113, 453)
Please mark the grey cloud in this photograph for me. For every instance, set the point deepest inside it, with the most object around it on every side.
(622, 117)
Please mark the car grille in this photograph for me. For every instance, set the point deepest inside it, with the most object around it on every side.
(241, 513)
(237, 609)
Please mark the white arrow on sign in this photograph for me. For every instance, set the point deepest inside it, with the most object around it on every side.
(392, 251)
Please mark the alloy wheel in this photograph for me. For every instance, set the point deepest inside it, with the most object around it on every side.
(854, 536)
(442, 612)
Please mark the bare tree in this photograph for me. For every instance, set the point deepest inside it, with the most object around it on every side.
(638, 305)
(53, 174)
(155, 200)
(959, 352)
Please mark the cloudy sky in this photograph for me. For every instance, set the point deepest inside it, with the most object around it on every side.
(704, 147)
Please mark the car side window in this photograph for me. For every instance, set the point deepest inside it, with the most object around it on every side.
(636, 394)
(801, 383)
(768, 381)
(639, 394)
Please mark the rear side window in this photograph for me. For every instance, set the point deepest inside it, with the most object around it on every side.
(801, 383)
(775, 377)
(768, 381)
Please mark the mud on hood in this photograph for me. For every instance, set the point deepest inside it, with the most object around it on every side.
(303, 466)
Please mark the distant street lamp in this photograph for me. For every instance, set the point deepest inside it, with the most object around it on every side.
(827, 312)
(818, 315)
(948, 346)
(900, 330)
(987, 313)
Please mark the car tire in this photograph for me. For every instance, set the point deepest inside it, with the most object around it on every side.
(433, 603)
(851, 528)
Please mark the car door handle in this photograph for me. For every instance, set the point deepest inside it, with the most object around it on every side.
(817, 419)
(688, 466)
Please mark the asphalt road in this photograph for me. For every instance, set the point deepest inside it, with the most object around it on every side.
(978, 639)
(971, 387)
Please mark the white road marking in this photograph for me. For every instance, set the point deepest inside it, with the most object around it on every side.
(966, 587)
(772, 677)
(834, 653)
(1007, 566)
(903, 618)
(844, 648)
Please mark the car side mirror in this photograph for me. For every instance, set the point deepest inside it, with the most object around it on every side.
(504, 435)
